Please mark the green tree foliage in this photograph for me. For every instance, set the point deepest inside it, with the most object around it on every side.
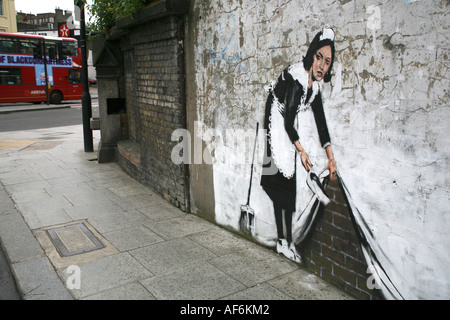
(104, 13)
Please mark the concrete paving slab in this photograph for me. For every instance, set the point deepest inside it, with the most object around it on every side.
(38, 281)
(168, 256)
(121, 220)
(29, 206)
(24, 195)
(10, 164)
(7, 167)
(198, 282)
(19, 176)
(43, 213)
(27, 187)
(17, 239)
(101, 172)
(7, 283)
(107, 182)
(132, 291)
(220, 241)
(132, 238)
(67, 181)
(302, 285)
(244, 267)
(138, 201)
(179, 227)
(130, 189)
(161, 212)
(67, 190)
(6, 204)
(90, 210)
(46, 218)
(107, 273)
(263, 291)
(30, 157)
(83, 194)
(82, 165)
(50, 171)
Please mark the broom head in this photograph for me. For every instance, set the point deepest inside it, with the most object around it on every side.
(247, 219)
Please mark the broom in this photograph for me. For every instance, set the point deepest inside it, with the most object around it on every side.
(247, 219)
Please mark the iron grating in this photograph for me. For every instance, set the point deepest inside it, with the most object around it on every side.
(73, 239)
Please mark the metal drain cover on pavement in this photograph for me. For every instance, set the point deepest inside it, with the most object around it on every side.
(74, 239)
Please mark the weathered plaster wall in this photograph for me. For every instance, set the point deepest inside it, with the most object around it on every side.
(387, 109)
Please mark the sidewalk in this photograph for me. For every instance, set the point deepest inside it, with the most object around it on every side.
(72, 228)
(31, 107)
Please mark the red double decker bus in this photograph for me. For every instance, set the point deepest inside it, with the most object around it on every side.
(39, 69)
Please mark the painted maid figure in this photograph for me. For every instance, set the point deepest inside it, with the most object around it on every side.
(298, 147)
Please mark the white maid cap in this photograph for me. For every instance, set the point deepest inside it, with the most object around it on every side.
(327, 33)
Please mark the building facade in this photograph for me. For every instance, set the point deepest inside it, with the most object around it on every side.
(42, 23)
(8, 16)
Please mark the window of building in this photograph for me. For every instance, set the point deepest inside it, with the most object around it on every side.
(1, 7)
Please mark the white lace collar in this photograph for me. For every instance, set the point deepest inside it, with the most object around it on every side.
(299, 73)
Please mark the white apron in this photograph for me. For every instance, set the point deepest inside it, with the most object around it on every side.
(287, 159)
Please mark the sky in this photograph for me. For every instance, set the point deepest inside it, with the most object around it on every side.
(45, 6)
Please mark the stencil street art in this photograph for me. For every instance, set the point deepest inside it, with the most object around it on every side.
(369, 110)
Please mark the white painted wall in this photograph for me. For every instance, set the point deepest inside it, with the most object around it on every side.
(387, 109)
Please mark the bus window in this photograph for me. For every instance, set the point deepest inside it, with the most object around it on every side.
(51, 47)
(27, 46)
(70, 48)
(6, 45)
(10, 76)
(61, 49)
(37, 51)
(74, 76)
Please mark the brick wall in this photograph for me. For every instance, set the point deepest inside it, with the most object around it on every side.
(132, 114)
(153, 88)
(332, 250)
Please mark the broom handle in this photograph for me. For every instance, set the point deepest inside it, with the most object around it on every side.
(253, 158)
